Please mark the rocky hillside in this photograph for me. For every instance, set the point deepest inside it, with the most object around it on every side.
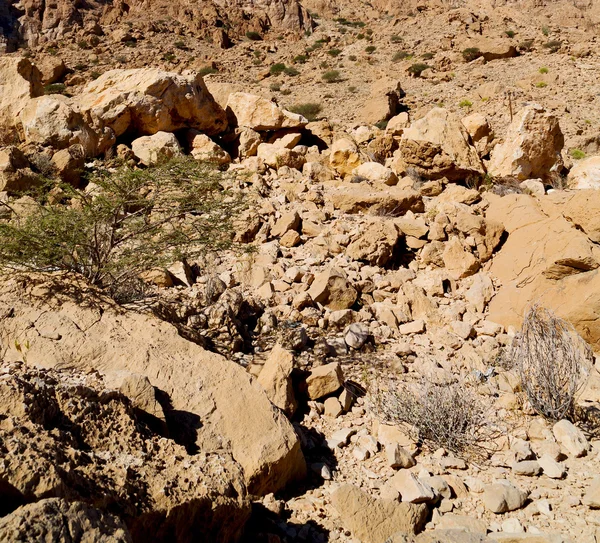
(339, 286)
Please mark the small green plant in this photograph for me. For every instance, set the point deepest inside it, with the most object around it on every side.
(286, 92)
(471, 53)
(427, 56)
(131, 43)
(352, 58)
(82, 44)
(52, 51)
(169, 57)
(331, 76)
(80, 67)
(553, 46)
(541, 85)
(382, 125)
(401, 55)
(55, 88)
(417, 69)
(577, 154)
(207, 70)
(334, 52)
(277, 69)
(291, 71)
(360, 36)
(543, 70)
(525, 46)
(396, 39)
(353, 90)
(310, 110)
(275, 87)
(324, 65)
(253, 36)
(545, 31)
(465, 103)
(370, 49)
(95, 74)
(510, 33)
(300, 59)
(588, 122)
(180, 45)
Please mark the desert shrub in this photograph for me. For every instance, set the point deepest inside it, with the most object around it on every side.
(525, 46)
(254, 36)
(352, 58)
(471, 53)
(370, 49)
(82, 44)
(310, 110)
(331, 76)
(545, 31)
(449, 415)
(401, 55)
(396, 39)
(94, 74)
(541, 85)
(180, 45)
(417, 69)
(300, 59)
(552, 361)
(510, 33)
(334, 52)
(133, 221)
(577, 154)
(360, 36)
(52, 51)
(543, 70)
(132, 43)
(291, 71)
(275, 87)
(286, 92)
(169, 57)
(465, 103)
(553, 46)
(55, 88)
(206, 70)
(277, 69)
(427, 56)
(382, 125)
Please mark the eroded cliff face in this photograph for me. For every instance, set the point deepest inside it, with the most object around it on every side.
(32, 22)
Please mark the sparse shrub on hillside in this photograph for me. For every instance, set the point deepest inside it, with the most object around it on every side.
(82, 44)
(510, 33)
(417, 69)
(286, 92)
(169, 57)
(360, 36)
(310, 110)
(254, 36)
(552, 361)
(132, 43)
(370, 49)
(396, 39)
(449, 415)
(465, 103)
(300, 59)
(427, 56)
(134, 221)
(401, 55)
(541, 85)
(471, 53)
(277, 69)
(207, 70)
(275, 87)
(94, 74)
(545, 31)
(291, 71)
(181, 45)
(332, 76)
(577, 154)
(543, 70)
(525, 46)
(55, 88)
(352, 58)
(334, 52)
(52, 51)
(553, 46)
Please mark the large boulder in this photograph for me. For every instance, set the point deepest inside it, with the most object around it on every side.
(156, 148)
(19, 82)
(66, 434)
(260, 114)
(585, 174)
(438, 145)
(383, 102)
(549, 258)
(374, 520)
(492, 48)
(220, 406)
(388, 201)
(15, 174)
(531, 147)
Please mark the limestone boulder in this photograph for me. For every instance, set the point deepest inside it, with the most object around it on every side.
(276, 157)
(585, 174)
(324, 380)
(206, 150)
(15, 173)
(481, 134)
(156, 148)
(459, 261)
(52, 68)
(375, 244)
(492, 48)
(373, 520)
(383, 102)
(19, 82)
(260, 114)
(438, 145)
(215, 403)
(531, 147)
(275, 378)
(376, 173)
(345, 156)
(361, 197)
(503, 497)
(69, 163)
(331, 288)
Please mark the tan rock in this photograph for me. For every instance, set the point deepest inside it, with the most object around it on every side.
(15, 174)
(235, 411)
(383, 102)
(492, 48)
(344, 157)
(51, 67)
(260, 114)
(19, 82)
(290, 239)
(376, 173)
(288, 221)
(397, 124)
(411, 488)
(156, 148)
(373, 520)
(277, 157)
(69, 164)
(395, 201)
(585, 174)
(331, 288)
(531, 147)
(206, 150)
(375, 244)
(503, 497)
(275, 378)
(592, 494)
(324, 380)
(571, 439)
(458, 261)
(247, 142)
(438, 145)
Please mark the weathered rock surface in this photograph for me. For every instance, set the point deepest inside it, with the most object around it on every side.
(234, 410)
(250, 111)
(19, 82)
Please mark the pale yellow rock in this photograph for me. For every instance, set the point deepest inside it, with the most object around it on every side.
(344, 157)
(20, 81)
(206, 150)
(260, 114)
(156, 148)
(275, 378)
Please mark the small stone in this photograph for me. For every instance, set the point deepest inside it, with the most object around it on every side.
(552, 468)
(290, 239)
(527, 467)
(451, 462)
(287, 221)
(592, 494)
(340, 438)
(361, 454)
(502, 497)
(398, 457)
(414, 327)
(512, 526)
(324, 380)
(356, 335)
(411, 488)
(333, 408)
(346, 399)
(570, 438)
(322, 470)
